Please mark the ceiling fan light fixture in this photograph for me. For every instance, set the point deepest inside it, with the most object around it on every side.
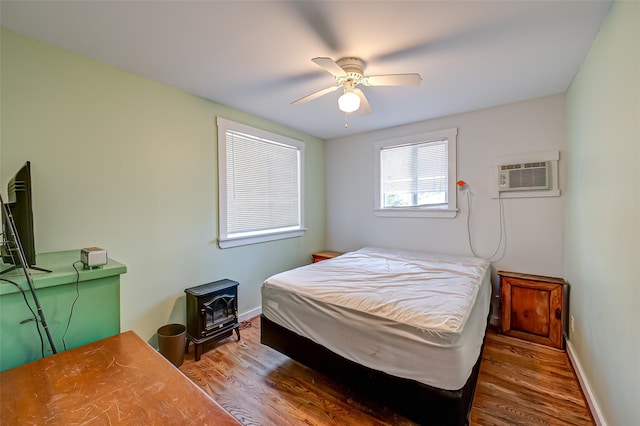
(349, 101)
(348, 73)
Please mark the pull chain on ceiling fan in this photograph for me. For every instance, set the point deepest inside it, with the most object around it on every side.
(349, 73)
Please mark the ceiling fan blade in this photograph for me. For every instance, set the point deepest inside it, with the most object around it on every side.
(392, 80)
(365, 108)
(315, 95)
(330, 65)
(316, 16)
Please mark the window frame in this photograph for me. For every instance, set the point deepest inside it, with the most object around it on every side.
(228, 240)
(449, 210)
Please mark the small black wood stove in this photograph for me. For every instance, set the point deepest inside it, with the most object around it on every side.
(212, 313)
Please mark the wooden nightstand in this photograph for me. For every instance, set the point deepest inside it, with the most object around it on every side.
(324, 255)
(532, 307)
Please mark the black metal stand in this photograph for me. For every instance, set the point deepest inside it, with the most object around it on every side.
(35, 268)
(14, 239)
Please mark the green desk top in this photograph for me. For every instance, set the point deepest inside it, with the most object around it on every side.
(61, 263)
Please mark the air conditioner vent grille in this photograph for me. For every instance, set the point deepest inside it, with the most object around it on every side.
(527, 178)
(510, 166)
(538, 164)
(524, 176)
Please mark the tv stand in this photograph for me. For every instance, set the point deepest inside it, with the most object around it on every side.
(56, 291)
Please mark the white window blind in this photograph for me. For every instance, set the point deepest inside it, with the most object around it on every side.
(260, 186)
(416, 175)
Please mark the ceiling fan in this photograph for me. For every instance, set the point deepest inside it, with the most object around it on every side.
(349, 73)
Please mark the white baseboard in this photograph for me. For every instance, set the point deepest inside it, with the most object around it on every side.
(586, 388)
(250, 314)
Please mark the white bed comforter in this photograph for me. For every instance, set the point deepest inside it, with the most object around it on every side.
(430, 292)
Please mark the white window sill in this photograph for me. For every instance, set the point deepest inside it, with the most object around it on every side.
(434, 213)
(254, 239)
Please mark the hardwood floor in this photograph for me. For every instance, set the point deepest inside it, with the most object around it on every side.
(521, 383)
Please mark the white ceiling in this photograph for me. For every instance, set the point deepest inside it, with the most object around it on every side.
(256, 55)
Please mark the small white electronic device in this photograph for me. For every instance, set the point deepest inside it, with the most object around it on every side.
(93, 256)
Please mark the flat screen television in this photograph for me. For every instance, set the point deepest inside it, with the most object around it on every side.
(19, 203)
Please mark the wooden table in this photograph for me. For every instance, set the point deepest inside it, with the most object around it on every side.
(117, 380)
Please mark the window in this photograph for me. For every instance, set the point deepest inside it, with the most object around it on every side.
(260, 185)
(416, 175)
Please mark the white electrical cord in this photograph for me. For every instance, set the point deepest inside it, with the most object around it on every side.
(501, 208)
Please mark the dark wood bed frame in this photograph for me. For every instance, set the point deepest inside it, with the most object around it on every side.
(421, 403)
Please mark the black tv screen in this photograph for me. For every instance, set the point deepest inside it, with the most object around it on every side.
(20, 204)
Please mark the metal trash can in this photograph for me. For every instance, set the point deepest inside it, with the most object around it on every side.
(171, 342)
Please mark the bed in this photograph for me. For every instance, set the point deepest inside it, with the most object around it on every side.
(403, 328)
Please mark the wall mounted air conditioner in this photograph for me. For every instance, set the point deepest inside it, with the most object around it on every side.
(524, 176)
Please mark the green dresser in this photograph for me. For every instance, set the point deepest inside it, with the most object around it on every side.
(96, 313)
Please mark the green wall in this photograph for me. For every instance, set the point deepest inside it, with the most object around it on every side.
(130, 165)
(603, 215)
